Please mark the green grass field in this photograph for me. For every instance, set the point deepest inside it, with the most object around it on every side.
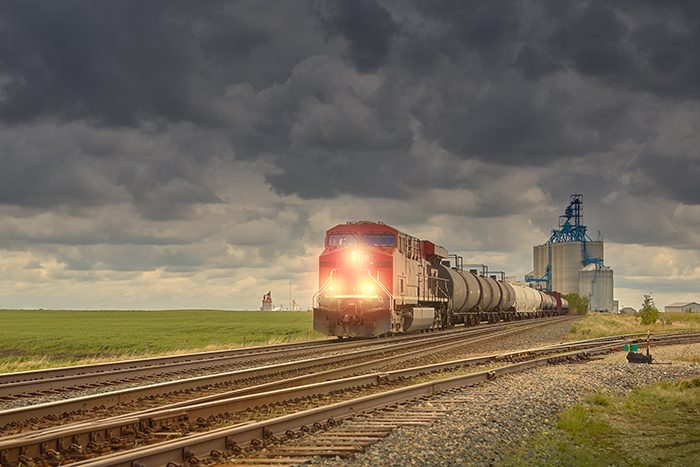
(653, 425)
(31, 339)
(606, 324)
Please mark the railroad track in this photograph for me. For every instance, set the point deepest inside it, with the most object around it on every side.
(26, 385)
(64, 410)
(87, 440)
(91, 435)
(344, 427)
(32, 383)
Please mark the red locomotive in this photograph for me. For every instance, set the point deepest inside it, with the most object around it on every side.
(375, 280)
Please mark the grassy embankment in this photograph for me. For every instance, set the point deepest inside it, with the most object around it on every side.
(31, 339)
(606, 324)
(653, 425)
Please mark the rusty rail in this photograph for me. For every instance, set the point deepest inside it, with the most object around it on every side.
(19, 384)
(109, 399)
(218, 444)
(56, 440)
(75, 376)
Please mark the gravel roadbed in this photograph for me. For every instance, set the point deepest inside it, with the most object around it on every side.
(505, 412)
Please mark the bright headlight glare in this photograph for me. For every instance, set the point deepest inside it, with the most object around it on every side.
(368, 288)
(358, 257)
(334, 285)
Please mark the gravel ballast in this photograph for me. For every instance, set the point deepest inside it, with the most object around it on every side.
(498, 415)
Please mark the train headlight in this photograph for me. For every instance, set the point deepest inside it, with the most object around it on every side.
(358, 257)
(368, 288)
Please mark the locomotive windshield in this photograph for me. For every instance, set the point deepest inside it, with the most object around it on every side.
(342, 240)
(379, 240)
(367, 239)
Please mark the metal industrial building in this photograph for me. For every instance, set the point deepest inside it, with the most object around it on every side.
(687, 307)
(571, 262)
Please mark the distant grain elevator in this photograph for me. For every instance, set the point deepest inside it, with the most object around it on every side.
(571, 262)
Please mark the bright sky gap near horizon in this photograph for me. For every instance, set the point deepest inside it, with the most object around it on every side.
(174, 154)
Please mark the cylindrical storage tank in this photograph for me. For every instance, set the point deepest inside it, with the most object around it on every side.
(552, 302)
(486, 294)
(564, 304)
(507, 296)
(596, 283)
(539, 299)
(495, 294)
(534, 299)
(543, 300)
(462, 287)
(540, 256)
(595, 249)
(567, 259)
(521, 297)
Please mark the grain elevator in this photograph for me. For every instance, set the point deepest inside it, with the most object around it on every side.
(571, 262)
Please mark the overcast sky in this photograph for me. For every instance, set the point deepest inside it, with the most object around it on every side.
(191, 154)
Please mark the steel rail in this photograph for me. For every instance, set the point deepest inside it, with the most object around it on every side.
(124, 375)
(218, 443)
(245, 398)
(50, 373)
(38, 443)
(108, 399)
(37, 375)
(216, 356)
(36, 381)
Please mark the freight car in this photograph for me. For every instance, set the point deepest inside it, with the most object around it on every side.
(376, 280)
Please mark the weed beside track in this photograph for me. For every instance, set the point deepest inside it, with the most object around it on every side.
(653, 425)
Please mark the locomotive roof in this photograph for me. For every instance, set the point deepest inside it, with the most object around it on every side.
(362, 227)
(369, 227)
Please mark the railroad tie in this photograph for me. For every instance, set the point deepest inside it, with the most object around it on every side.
(344, 440)
(253, 461)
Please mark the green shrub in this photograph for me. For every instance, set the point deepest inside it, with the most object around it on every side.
(648, 314)
(578, 305)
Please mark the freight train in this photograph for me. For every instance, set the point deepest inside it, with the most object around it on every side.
(375, 280)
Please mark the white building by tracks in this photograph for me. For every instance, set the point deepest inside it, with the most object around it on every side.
(683, 307)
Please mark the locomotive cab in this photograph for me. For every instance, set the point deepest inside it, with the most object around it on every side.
(375, 280)
(355, 278)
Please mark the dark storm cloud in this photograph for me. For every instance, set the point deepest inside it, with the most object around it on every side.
(74, 165)
(675, 177)
(365, 25)
(120, 63)
(77, 60)
(646, 47)
(513, 83)
(483, 26)
(334, 96)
